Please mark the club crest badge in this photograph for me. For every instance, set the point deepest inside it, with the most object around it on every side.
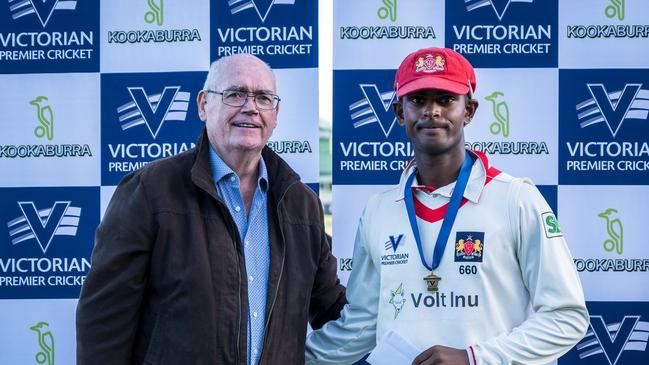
(430, 63)
(469, 246)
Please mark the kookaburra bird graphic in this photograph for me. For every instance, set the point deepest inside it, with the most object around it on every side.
(501, 113)
(615, 231)
(45, 118)
(46, 343)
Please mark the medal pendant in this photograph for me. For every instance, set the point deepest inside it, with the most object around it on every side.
(431, 281)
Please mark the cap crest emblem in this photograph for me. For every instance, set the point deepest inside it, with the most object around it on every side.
(430, 63)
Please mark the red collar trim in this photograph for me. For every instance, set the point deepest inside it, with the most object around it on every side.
(437, 214)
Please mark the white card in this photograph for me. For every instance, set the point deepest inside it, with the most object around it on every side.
(393, 349)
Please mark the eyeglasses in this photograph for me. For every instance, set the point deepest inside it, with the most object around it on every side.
(238, 98)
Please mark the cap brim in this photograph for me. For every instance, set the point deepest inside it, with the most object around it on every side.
(435, 83)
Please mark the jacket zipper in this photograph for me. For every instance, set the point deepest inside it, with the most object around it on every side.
(281, 270)
(238, 243)
(239, 309)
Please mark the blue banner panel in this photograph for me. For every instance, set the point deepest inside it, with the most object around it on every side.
(504, 33)
(603, 127)
(47, 36)
(284, 33)
(46, 240)
(369, 146)
(549, 192)
(146, 116)
(617, 335)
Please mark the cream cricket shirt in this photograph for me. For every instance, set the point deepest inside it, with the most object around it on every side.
(508, 294)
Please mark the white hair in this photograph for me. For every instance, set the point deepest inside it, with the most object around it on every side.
(216, 68)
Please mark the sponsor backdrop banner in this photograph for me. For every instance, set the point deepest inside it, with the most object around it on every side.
(563, 88)
(92, 91)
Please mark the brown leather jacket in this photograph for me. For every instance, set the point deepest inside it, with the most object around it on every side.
(167, 279)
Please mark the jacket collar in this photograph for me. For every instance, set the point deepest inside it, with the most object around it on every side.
(280, 175)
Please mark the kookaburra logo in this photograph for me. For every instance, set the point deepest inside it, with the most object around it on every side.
(45, 342)
(614, 230)
(376, 107)
(501, 114)
(42, 8)
(388, 10)
(155, 13)
(43, 224)
(262, 7)
(45, 118)
(154, 110)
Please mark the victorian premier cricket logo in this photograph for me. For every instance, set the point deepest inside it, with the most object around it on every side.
(392, 257)
(374, 108)
(52, 35)
(603, 136)
(41, 225)
(613, 339)
(152, 111)
(613, 108)
(43, 9)
(261, 7)
(487, 33)
(45, 342)
(282, 32)
(369, 147)
(499, 6)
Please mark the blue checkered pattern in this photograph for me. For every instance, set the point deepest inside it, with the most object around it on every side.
(253, 231)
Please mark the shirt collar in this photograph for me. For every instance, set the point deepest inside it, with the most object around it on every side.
(474, 186)
(220, 170)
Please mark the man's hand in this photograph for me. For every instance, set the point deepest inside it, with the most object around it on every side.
(442, 355)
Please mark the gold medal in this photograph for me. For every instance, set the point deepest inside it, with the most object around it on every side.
(432, 280)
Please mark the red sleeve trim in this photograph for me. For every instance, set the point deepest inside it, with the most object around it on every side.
(475, 362)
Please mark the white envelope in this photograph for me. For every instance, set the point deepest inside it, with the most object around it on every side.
(393, 349)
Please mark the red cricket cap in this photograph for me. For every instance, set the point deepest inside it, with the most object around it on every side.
(435, 68)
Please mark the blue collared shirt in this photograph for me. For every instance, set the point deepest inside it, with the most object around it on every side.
(253, 231)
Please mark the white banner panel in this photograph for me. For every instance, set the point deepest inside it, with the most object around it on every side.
(141, 36)
(348, 204)
(38, 331)
(603, 34)
(515, 124)
(296, 136)
(378, 34)
(50, 130)
(604, 227)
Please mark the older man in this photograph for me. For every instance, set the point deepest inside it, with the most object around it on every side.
(217, 255)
